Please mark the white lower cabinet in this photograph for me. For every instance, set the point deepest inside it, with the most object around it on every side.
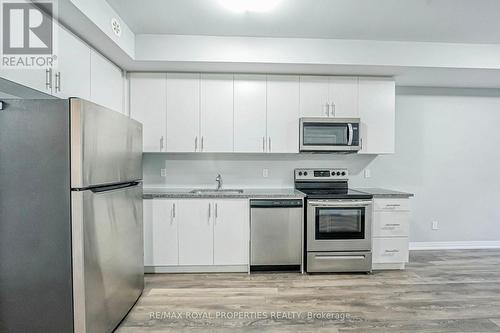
(231, 232)
(196, 235)
(390, 230)
(196, 242)
(160, 233)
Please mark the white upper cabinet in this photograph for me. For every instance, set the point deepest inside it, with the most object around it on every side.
(282, 114)
(216, 111)
(343, 100)
(231, 232)
(106, 85)
(377, 113)
(328, 96)
(183, 112)
(250, 113)
(148, 104)
(38, 79)
(72, 74)
(314, 96)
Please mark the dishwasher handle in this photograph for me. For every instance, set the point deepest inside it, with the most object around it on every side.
(276, 203)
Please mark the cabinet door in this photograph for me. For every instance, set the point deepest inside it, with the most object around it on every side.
(377, 113)
(283, 114)
(183, 112)
(344, 97)
(37, 79)
(314, 96)
(195, 220)
(231, 232)
(148, 104)
(250, 113)
(106, 82)
(72, 74)
(160, 233)
(216, 113)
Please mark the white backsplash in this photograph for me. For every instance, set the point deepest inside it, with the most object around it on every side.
(242, 170)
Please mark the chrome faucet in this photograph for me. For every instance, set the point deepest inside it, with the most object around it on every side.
(218, 179)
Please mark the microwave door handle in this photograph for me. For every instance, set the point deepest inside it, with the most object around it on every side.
(350, 134)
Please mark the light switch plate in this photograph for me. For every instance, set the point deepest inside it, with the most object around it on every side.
(163, 172)
(368, 173)
(265, 173)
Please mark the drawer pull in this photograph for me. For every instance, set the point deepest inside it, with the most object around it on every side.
(392, 225)
(392, 251)
(393, 205)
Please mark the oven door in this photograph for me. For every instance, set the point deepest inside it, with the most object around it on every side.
(323, 134)
(339, 225)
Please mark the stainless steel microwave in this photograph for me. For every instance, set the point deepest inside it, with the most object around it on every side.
(329, 135)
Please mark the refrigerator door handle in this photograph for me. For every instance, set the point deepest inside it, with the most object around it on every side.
(106, 188)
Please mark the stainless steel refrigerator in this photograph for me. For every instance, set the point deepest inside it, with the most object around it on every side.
(71, 239)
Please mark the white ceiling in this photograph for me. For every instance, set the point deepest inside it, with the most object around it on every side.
(466, 21)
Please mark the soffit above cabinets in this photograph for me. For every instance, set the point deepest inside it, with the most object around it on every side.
(415, 62)
(450, 21)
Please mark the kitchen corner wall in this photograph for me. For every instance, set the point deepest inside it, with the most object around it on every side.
(447, 154)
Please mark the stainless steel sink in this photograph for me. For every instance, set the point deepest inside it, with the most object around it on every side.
(210, 191)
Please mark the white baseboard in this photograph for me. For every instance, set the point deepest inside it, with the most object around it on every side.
(454, 245)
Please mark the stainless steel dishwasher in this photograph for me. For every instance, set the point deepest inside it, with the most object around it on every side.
(276, 234)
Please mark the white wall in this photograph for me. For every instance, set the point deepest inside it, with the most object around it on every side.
(446, 153)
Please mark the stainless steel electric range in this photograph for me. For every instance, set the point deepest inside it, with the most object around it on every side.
(338, 222)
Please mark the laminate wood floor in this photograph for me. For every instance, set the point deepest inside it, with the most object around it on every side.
(440, 291)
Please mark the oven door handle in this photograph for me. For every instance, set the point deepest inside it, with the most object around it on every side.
(339, 204)
(327, 257)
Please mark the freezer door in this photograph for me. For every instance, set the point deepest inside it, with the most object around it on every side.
(108, 267)
(106, 146)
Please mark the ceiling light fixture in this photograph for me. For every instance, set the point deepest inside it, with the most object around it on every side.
(241, 6)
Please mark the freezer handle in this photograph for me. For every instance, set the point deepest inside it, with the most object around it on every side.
(106, 188)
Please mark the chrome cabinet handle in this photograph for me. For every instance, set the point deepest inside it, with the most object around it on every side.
(263, 144)
(327, 108)
(173, 210)
(334, 108)
(209, 212)
(392, 251)
(202, 143)
(216, 211)
(48, 78)
(269, 148)
(196, 143)
(161, 143)
(393, 224)
(58, 82)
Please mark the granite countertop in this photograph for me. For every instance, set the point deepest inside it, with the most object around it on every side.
(384, 193)
(164, 192)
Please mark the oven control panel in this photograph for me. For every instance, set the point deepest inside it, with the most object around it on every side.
(321, 174)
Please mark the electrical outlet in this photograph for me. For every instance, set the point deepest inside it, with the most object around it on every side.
(163, 172)
(368, 173)
(265, 173)
(435, 225)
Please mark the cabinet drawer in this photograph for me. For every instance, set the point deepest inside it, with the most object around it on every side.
(391, 204)
(391, 223)
(390, 250)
